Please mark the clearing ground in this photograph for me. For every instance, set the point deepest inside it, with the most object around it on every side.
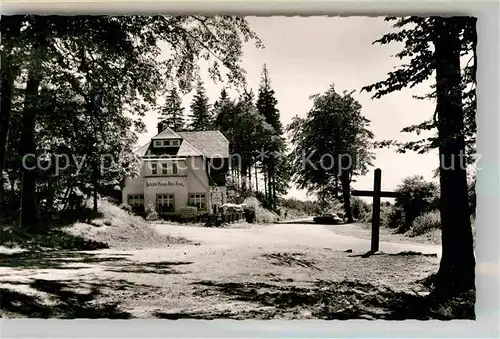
(288, 271)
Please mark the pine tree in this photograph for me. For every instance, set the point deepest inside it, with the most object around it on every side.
(224, 97)
(172, 113)
(266, 102)
(274, 163)
(201, 117)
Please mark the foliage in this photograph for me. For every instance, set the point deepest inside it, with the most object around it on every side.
(200, 117)
(360, 209)
(424, 223)
(172, 113)
(417, 196)
(418, 52)
(262, 215)
(434, 46)
(306, 207)
(96, 76)
(275, 163)
(151, 213)
(331, 146)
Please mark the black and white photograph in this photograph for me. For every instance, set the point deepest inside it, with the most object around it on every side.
(238, 167)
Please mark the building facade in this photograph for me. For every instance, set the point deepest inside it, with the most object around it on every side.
(180, 169)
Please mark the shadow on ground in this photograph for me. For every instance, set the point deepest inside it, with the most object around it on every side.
(328, 301)
(53, 259)
(65, 299)
(69, 299)
(399, 254)
(296, 222)
(67, 260)
(162, 267)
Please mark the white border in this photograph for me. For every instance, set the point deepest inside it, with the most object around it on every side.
(488, 191)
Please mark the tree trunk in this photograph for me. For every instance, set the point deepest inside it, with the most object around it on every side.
(346, 195)
(456, 271)
(265, 186)
(95, 178)
(30, 216)
(274, 204)
(256, 179)
(250, 177)
(8, 76)
(270, 185)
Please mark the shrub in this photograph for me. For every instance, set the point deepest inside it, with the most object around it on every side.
(395, 217)
(262, 215)
(425, 223)
(417, 197)
(151, 213)
(126, 207)
(359, 208)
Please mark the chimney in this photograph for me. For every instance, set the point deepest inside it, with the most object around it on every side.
(161, 127)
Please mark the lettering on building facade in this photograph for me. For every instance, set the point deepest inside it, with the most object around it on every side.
(164, 183)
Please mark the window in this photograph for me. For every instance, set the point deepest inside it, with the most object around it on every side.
(198, 200)
(135, 200)
(166, 143)
(157, 143)
(169, 169)
(165, 203)
(154, 168)
(175, 142)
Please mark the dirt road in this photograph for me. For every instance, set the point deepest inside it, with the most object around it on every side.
(298, 233)
(294, 270)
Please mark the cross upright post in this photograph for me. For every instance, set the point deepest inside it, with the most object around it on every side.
(376, 210)
(376, 194)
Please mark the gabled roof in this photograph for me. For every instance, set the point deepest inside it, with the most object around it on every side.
(167, 133)
(211, 144)
(141, 151)
(187, 150)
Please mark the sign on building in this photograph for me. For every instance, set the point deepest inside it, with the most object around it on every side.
(188, 212)
(216, 196)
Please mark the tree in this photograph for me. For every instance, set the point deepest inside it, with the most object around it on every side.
(331, 146)
(172, 114)
(435, 45)
(101, 74)
(201, 116)
(275, 163)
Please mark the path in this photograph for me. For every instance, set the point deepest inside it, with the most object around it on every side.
(281, 270)
(301, 233)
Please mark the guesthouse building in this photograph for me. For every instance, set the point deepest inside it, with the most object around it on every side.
(180, 169)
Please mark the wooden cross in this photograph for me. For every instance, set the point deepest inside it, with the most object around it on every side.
(376, 194)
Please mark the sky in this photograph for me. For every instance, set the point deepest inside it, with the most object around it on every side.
(305, 55)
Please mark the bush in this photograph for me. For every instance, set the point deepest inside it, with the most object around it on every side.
(262, 215)
(417, 197)
(151, 214)
(126, 207)
(395, 217)
(359, 208)
(425, 223)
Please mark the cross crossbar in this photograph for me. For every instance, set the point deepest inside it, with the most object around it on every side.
(382, 194)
